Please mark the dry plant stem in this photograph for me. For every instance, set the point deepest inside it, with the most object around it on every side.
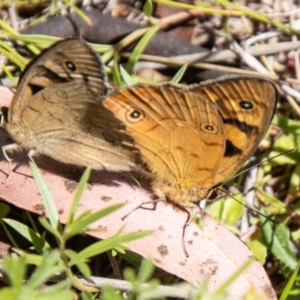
(123, 285)
(259, 38)
(249, 197)
(223, 55)
(245, 236)
(291, 96)
(114, 265)
(13, 17)
(166, 22)
(207, 66)
(249, 59)
(296, 54)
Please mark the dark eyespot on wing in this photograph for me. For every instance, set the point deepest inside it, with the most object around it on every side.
(108, 137)
(70, 66)
(246, 104)
(230, 149)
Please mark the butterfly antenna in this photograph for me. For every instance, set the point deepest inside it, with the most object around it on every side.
(260, 163)
(254, 210)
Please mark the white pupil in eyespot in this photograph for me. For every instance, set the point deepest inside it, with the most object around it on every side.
(70, 66)
(135, 114)
(209, 127)
(246, 104)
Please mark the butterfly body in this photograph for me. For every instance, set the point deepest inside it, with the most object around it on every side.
(194, 138)
(57, 111)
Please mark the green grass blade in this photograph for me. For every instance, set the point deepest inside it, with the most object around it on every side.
(47, 198)
(178, 76)
(78, 194)
(139, 48)
(288, 287)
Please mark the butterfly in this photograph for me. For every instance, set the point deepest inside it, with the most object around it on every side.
(57, 111)
(193, 138)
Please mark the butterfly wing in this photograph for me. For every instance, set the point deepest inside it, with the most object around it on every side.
(69, 60)
(58, 111)
(179, 136)
(247, 106)
(70, 128)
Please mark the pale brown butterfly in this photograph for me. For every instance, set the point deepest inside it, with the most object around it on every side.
(192, 139)
(57, 111)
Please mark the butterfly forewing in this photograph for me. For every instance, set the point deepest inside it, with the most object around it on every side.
(66, 61)
(246, 106)
(58, 111)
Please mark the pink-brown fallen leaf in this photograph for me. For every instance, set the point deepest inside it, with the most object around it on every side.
(214, 252)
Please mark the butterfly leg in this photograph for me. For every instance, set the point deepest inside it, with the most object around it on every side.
(139, 205)
(9, 160)
(192, 211)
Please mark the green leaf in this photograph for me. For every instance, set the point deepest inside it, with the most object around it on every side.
(46, 270)
(178, 76)
(82, 265)
(279, 207)
(61, 294)
(44, 222)
(112, 242)
(290, 283)
(8, 293)
(47, 198)
(288, 125)
(16, 269)
(228, 210)
(109, 293)
(259, 250)
(148, 8)
(139, 48)
(38, 242)
(116, 71)
(127, 78)
(287, 141)
(78, 194)
(80, 224)
(277, 239)
(31, 259)
(146, 271)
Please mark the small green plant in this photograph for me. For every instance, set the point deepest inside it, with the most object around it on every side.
(60, 261)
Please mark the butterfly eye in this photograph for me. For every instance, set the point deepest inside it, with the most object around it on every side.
(246, 104)
(108, 137)
(134, 115)
(212, 195)
(209, 128)
(70, 66)
(61, 94)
